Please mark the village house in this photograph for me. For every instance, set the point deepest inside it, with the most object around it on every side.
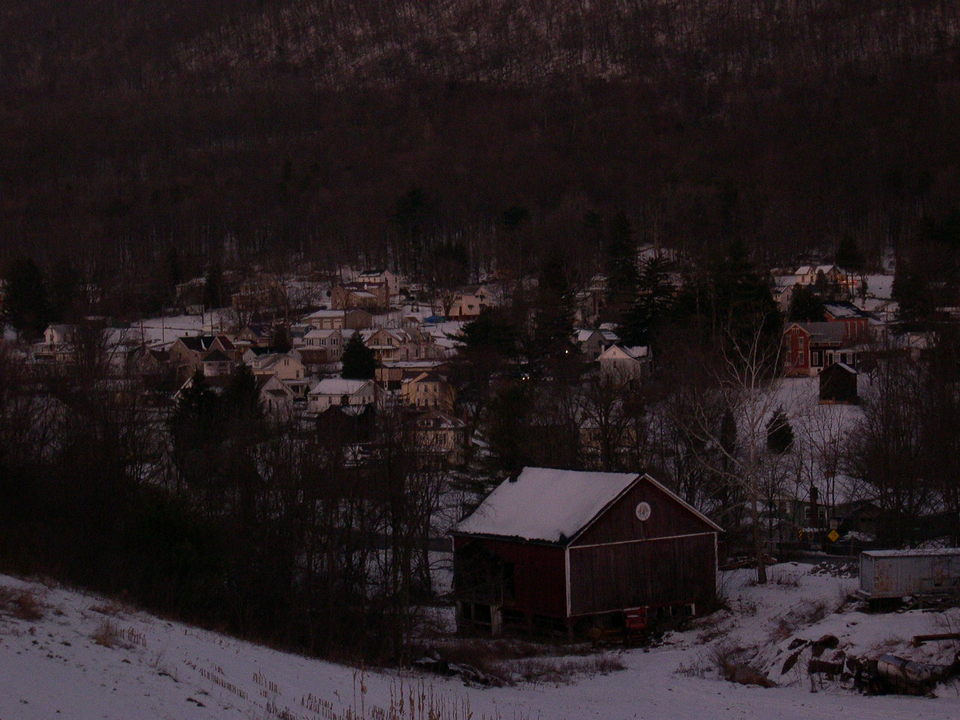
(566, 551)
(829, 275)
(353, 319)
(856, 322)
(625, 364)
(810, 347)
(187, 353)
(276, 398)
(441, 434)
(58, 347)
(338, 392)
(252, 335)
(591, 343)
(355, 295)
(370, 279)
(427, 390)
(469, 301)
(390, 375)
(394, 344)
(217, 363)
(328, 343)
(286, 366)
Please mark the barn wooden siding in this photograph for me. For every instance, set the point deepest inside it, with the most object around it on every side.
(669, 571)
(539, 586)
(619, 562)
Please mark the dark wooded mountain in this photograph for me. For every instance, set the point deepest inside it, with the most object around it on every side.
(259, 126)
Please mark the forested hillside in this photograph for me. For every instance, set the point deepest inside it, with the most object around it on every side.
(262, 126)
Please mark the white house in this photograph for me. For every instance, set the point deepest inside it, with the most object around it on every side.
(339, 392)
(276, 398)
(623, 363)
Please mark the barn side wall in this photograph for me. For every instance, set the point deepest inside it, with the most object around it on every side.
(539, 580)
(631, 574)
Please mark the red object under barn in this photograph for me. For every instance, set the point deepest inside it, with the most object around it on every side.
(567, 550)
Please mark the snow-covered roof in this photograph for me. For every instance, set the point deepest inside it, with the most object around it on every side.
(338, 386)
(924, 552)
(316, 333)
(637, 351)
(325, 314)
(545, 504)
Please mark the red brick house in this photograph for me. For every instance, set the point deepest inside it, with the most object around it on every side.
(811, 346)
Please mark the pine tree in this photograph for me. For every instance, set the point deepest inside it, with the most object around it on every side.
(213, 289)
(359, 362)
(805, 305)
(25, 304)
(779, 432)
(654, 301)
(621, 268)
(849, 256)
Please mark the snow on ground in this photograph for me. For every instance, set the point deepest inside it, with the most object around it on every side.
(163, 331)
(52, 667)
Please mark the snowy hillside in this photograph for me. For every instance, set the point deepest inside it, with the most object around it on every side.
(77, 656)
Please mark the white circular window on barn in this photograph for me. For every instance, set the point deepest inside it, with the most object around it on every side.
(643, 511)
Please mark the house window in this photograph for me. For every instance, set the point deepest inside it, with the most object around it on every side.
(815, 358)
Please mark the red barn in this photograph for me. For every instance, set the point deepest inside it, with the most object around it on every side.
(568, 550)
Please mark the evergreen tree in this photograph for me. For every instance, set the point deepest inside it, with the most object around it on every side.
(553, 315)
(805, 305)
(492, 333)
(280, 339)
(213, 293)
(779, 432)
(64, 292)
(849, 256)
(173, 272)
(359, 362)
(654, 303)
(25, 304)
(240, 403)
(621, 268)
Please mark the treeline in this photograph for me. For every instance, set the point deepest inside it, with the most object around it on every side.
(215, 515)
(268, 131)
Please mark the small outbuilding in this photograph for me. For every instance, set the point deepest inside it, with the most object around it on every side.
(563, 550)
(888, 574)
(838, 384)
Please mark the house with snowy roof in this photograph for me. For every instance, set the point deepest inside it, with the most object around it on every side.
(357, 295)
(623, 363)
(809, 347)
(563, 550)
(340, 392)
(187, 353)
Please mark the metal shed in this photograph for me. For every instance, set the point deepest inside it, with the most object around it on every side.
(896, 573)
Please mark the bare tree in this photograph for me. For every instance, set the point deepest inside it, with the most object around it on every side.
(746, 383)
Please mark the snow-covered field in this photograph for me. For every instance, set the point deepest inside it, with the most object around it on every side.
(54, 666)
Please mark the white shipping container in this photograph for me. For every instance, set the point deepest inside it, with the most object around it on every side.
(896, 573)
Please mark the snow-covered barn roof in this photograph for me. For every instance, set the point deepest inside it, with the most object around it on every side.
(545, 504)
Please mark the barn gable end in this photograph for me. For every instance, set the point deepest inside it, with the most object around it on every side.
(669, 517)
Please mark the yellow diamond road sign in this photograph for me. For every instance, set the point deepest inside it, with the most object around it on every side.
(833, 536)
